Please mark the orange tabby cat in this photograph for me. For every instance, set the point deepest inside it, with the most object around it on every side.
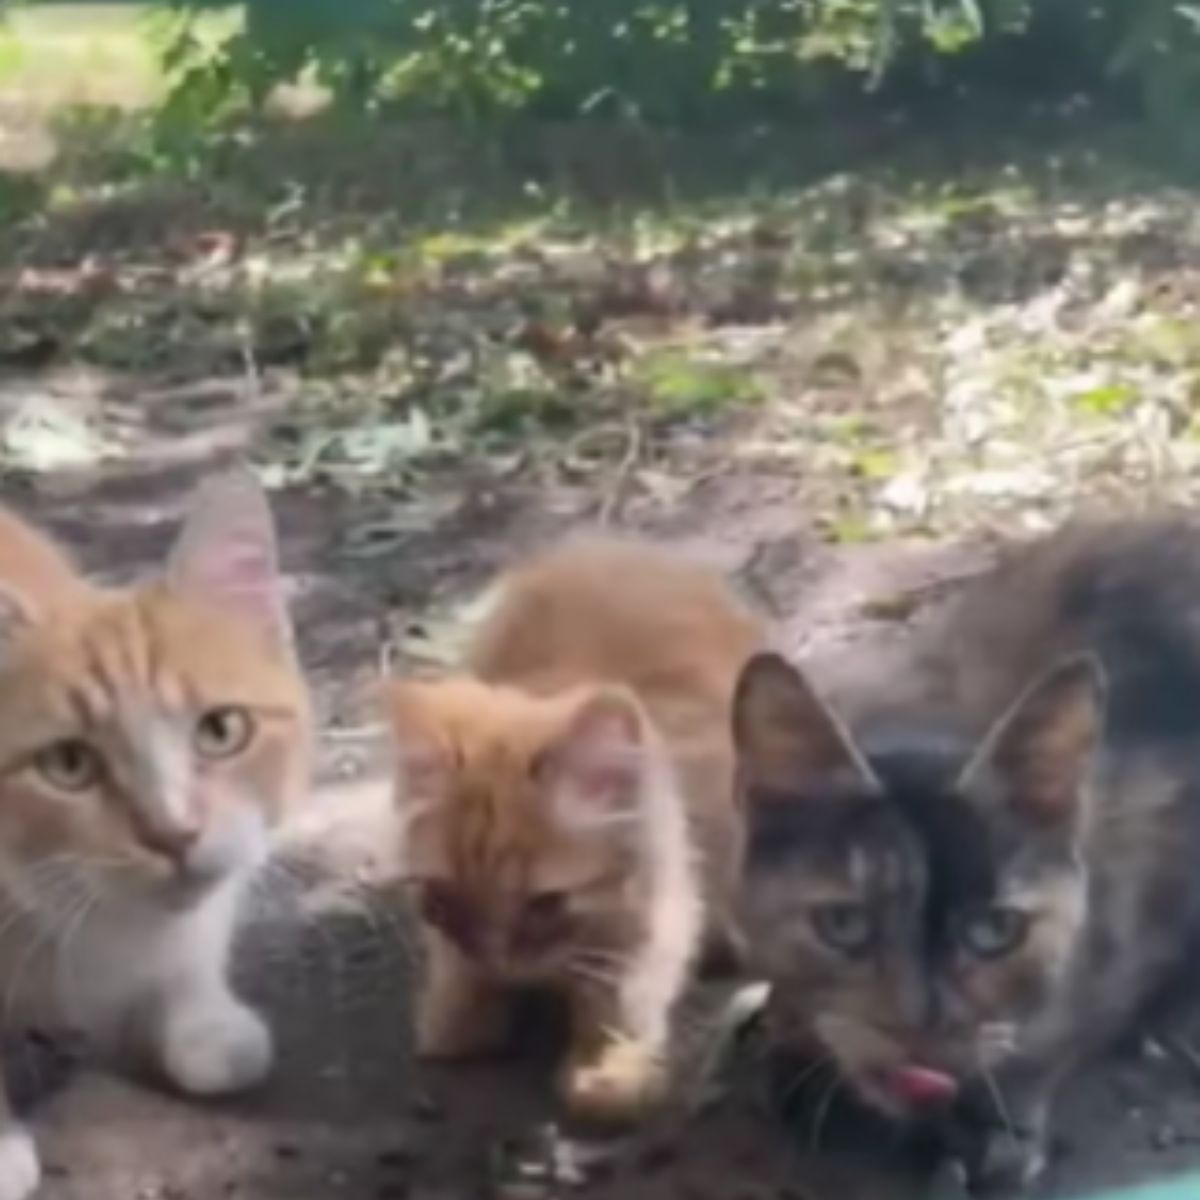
(569, 810)
(149, 739)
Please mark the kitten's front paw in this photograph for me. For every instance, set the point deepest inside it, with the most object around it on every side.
(216, 1048)
(19, 1170)
(617, 1085)
(1010, 1163)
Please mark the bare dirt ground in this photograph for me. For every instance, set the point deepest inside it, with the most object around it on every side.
(348, 1114)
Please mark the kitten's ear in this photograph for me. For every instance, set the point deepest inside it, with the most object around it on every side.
(596, 764)
(422, 760)
(226, 552)
(785, 734)
(1041, 749)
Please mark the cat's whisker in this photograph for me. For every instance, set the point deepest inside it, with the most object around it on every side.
(809, 1071)
(822, 1111)
(611, 968)
(285, 869)
(70, 938)
(605, 979)
(989, 1081)
(46, 928)
(995, 1041)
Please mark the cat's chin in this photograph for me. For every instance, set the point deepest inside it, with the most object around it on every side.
(187, 891)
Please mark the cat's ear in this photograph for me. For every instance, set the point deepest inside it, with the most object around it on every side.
(1040, 751)
(226, 552)
(422, 762)
(597, 763)
(784, 732)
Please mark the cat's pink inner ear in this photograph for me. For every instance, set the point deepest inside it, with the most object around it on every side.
(226, 552)
(786, 735)
(600, 757)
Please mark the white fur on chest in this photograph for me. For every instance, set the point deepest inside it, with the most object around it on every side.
(91, 973)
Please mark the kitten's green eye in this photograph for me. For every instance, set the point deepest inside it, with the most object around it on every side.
(994, 931)
(845, 926)
(223, 732)
(70, 765)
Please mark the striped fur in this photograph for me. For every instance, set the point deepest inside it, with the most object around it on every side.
(569, 810)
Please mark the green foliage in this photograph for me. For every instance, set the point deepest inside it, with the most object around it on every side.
(675, 61)
(661, 60)
(677, 384)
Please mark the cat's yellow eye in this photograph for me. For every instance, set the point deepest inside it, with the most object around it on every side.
(994, 931)
(70, 765)
(223, 732)
(845, 925)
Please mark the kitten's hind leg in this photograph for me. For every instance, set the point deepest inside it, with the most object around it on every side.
(20, 1173)
(459, 1013)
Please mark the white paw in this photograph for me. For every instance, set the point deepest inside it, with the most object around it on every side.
(19, 1170)
(215, 1047)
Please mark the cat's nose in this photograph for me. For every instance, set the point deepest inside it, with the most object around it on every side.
(172, 841)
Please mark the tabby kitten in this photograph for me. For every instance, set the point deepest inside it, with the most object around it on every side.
(149, 740)
(958, 906)
(569, 811)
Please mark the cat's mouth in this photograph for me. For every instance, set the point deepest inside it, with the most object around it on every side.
(190, 882)
(907, 1089)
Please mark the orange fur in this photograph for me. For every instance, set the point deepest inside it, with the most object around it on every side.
(92, 659)
(105, 657)
(563, 805)
(150, 738)
(599, 610)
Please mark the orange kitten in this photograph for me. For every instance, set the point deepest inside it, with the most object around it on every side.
(569, 811)
(149, 740)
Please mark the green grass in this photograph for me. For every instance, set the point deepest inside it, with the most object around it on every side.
(927, 338)
(54, 58)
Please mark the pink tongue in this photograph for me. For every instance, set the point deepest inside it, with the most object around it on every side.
(921, 1085)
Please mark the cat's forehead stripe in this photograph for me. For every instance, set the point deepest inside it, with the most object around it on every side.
(108, 667)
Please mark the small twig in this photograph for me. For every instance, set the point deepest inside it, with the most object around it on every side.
(901, 604)
(389, 658)
(615, 495)
(250, 363)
